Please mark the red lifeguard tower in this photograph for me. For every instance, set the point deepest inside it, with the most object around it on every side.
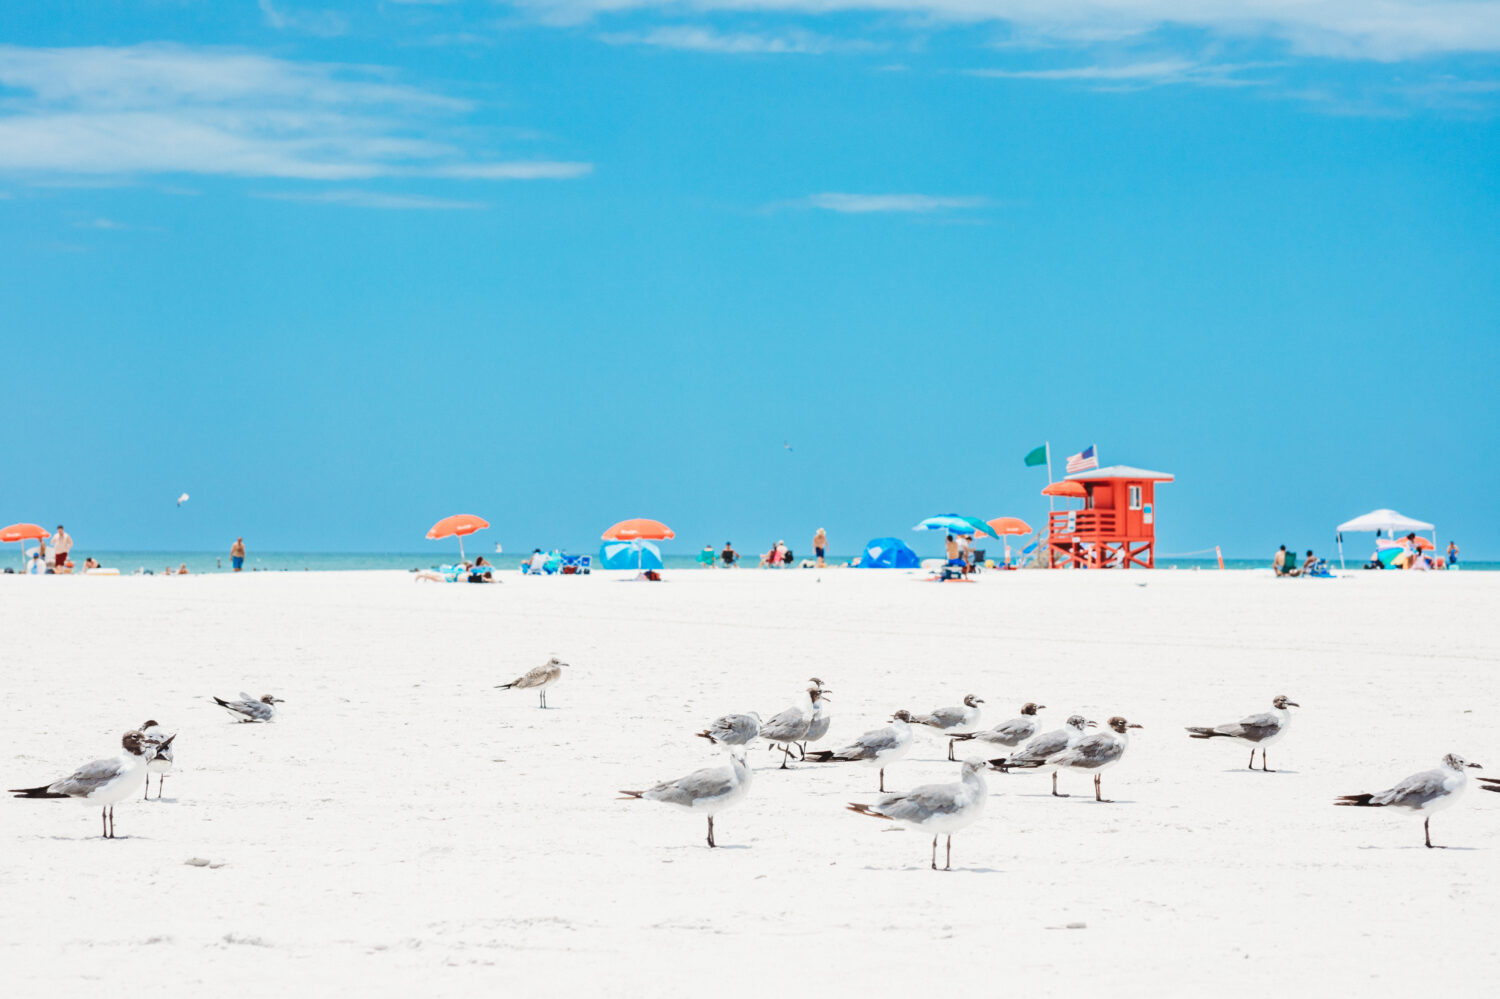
(1116, 528)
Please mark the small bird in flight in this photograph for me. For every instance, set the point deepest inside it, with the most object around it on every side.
(183, 499)
(787, 445)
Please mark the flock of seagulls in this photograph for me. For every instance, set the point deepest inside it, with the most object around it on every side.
(942, 809)
(148, 750)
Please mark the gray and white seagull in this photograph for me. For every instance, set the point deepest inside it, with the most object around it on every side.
(728, 731)
(1097, 752)
(952, 720)
(943, 808)
(1034, 755)
(539, 678)
(1423, 793)
(790, 726)
(708, 791)
(819, 723)
(102, 782)
(161, 759)
(879, 747)
(249, 709)
(1008, 734)
(1256, 731)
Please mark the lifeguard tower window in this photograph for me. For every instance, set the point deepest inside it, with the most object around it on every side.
(1135, 497)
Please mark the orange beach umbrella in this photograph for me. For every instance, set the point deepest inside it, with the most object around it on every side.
(457, 526)
(1009, 525)
(639, 529)
(24, 532)
(1073, 490)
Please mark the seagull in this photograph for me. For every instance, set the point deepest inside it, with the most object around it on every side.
(1009, 734)
(248, 709)
(541, 678)
(1095, 753)
(1258, 730)
(709, 790)
(817, 726)
(787, 445)
(102, 782)
(183, 499)
(790, 726)
(733, 730)
(161, 760)
(955, 719)
(879, 747)
(1423, 793)
(1033, 755)
(943, 808)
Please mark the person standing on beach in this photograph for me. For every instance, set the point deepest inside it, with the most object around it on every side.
(61, 545)
(820, 547)
(237, 554)
(1453, 554)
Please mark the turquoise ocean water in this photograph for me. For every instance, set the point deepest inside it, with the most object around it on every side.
(200, 562)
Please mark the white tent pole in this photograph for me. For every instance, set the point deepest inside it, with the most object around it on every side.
(1341, 549)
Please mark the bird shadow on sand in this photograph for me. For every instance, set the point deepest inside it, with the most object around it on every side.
(923, 867)
(1258, 770)
(1436, 846)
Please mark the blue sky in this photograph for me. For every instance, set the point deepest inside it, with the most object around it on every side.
(338, 270)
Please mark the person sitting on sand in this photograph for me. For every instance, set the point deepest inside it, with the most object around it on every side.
(706, 557)
(182, 570)
(91, 563)
(481, 571)
(538, 561)
(1285, 563)
(729, 556)
(1308, 563)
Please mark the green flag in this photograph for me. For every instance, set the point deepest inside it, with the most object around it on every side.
(1036, 456)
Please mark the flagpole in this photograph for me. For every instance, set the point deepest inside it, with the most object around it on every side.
(1051, 500)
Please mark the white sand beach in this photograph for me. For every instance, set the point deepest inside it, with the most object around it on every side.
(403, 827)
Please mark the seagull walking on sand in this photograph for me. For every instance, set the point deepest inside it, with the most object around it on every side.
(1034, 755)
(540, 678)
(1008, 734)
(1256, 731)
(248, 709)
(943, 808)
(1096, 753)
(729, 731)
(817, 725)
(102, 782)
(160, 761)
(879, 747)
(710, 790)
(953, 720)
(1423, 793)
(790, 726)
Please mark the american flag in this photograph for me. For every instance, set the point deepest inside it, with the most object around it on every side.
(1083, 460)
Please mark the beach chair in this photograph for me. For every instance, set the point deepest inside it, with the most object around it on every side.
(576, 565)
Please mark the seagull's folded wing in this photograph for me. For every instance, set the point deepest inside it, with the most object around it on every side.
(89, 777)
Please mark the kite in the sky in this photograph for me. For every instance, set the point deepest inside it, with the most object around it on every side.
(182, 499)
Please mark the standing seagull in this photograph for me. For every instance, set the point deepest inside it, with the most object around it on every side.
(959, 718)
(161, 759)
(879, 747)
(1033, 755)
(790, 726)
(102, 782)
(248, 709)
(1423, 793)
(943, 808)
(1096, 753)
(817, 726)
(1256, 731)
(709, 790)
(733, 730)
(541, 678)
(1008, 734)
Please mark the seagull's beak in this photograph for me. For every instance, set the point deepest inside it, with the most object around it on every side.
(166, 744)
(1090, 724)
(1476, 766)
(1134, 725)
(1041, 707)
(1293, 704)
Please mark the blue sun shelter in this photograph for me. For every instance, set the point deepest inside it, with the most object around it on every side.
(634, 555)
(888, 553)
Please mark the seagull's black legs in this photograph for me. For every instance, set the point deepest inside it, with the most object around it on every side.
(160, 780)
(786, 755)
(801, 751)
(1252, 759)
(103, 824)
(1427, 832)
(1263, 762)
(934, 852)
(146, 791)
(950, 750)
(948, 864)
(1054, 786)
(882, 780)
(710, 830)
(543, 693)
(111, 822)
(1096, 788)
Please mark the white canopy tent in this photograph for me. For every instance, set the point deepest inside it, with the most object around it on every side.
(1389, 521)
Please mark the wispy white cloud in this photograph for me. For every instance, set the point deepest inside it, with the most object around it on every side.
(100, 223)
(1363, 29)
(374, 199)
(161, 109)
(862, 204)
(323, 23)
(700, 38)
(1157, 72)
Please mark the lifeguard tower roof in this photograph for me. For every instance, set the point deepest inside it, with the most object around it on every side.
(1122, 472)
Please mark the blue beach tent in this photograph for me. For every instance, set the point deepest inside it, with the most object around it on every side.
(888, 553)
(629, 555)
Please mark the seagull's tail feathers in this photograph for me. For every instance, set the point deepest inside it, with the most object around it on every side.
(1201, 733)
(1489, 783)
(962, 736)
(1361, 800)
(859, 809)
(630, 795)
(831, 755)
(506, 686)
(705, 734)
(35, 792)
(221, 702)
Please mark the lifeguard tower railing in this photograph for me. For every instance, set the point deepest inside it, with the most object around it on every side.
(1091, 539)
